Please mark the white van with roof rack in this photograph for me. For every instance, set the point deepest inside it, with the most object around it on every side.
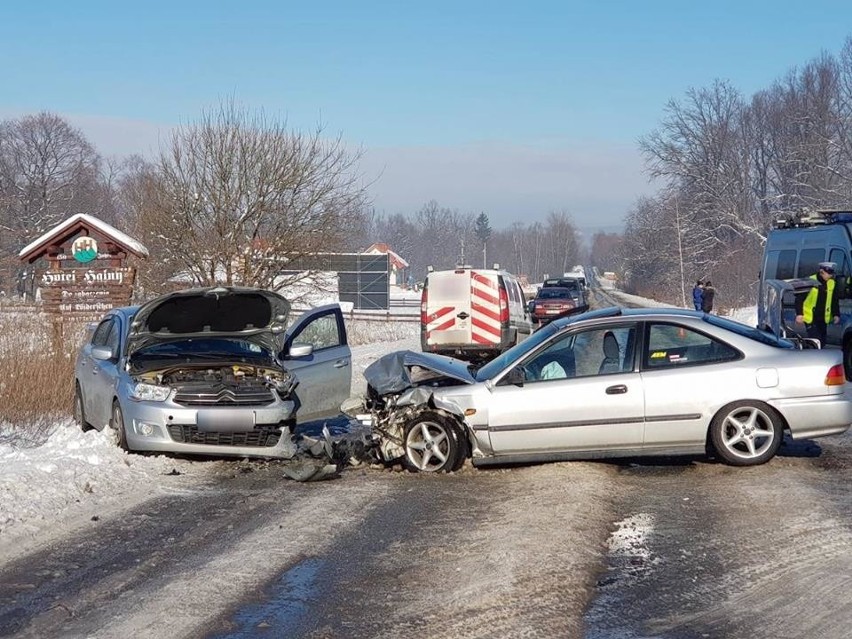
(473, 314)
(794, 249)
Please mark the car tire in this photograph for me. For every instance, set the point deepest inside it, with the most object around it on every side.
(433, 444)
(746, 433)
(116, 422)
(80, 411)
(847, 358)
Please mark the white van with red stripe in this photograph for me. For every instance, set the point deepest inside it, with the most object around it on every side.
(472, 313)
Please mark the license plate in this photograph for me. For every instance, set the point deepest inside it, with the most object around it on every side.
(225, 420)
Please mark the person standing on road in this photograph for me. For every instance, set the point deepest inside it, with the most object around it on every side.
(820, 306)
(698, 295)
(707, 297)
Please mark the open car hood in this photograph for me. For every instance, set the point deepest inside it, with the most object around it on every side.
(396, 372)
(255, 315)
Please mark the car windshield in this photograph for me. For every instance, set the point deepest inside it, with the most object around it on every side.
(756, 334)
(569, 284)
(553, 293)
(496, 365)
(206, 347)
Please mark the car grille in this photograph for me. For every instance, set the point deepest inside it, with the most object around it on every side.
(224, 395)
(191, 435)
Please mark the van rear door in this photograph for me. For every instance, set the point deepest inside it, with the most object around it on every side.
(447, 319)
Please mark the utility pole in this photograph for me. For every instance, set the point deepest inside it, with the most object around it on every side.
(680, 254)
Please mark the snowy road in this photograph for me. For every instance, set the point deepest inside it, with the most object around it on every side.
(697, 549)
(372, 554)
(96, 543)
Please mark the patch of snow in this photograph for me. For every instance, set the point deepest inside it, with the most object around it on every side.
(630, 538)
(75, 474)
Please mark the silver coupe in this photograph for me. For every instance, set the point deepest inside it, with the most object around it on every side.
(610, 383)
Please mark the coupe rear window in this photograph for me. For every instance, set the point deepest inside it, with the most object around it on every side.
(748, 331)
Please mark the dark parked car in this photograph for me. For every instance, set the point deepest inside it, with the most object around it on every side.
(572, 284)
(551, 302)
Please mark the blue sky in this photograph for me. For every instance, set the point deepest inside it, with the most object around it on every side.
(514, 109)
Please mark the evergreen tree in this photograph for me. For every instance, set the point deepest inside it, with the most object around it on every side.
(483, 233)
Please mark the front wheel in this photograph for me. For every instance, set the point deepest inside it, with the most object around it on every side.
(117, 424)
(80, 411)
(433, 444)
(746, 433)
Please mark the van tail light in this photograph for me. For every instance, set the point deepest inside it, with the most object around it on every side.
(504, 306)
(836, 376)
(424, 298)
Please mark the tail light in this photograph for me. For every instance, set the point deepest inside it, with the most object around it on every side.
(424, 298)
(504, 306)
(836, 376)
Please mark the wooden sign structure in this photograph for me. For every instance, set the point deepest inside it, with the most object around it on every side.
(87, 271)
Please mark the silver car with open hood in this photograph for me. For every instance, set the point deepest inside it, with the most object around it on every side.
(212, 371)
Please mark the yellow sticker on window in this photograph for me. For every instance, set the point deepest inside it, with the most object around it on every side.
(658, 354)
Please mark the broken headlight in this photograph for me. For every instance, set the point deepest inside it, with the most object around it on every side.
(143, 392)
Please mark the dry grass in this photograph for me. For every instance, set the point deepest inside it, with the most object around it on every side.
(36, 373)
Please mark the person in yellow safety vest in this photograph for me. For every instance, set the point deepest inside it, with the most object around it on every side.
(820, 306)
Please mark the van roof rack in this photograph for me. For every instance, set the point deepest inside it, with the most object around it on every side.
(813, 217)
(836, 215)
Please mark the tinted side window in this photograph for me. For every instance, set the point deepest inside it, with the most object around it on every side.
(838, 256)
(510, 289)
(670, 346)
(114, 337)
(101, 334)
(781, 265)
(809, 261)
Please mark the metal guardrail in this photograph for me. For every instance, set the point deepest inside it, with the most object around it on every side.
(382, 316)
(405, 302)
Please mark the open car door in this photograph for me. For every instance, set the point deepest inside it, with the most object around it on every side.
(325, 371)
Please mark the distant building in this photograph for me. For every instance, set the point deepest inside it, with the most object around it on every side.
(397, 264)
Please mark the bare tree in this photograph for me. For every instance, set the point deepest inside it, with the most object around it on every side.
(48, 172)
(562, 243)
(237, 198)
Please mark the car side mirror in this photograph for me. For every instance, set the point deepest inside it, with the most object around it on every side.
(516, 376)
(300, 350)
(102, 353)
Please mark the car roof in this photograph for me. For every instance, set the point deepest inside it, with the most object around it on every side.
(617, 311)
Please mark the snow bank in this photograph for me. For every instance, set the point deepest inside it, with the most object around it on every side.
(76, 474)
(72, 469)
